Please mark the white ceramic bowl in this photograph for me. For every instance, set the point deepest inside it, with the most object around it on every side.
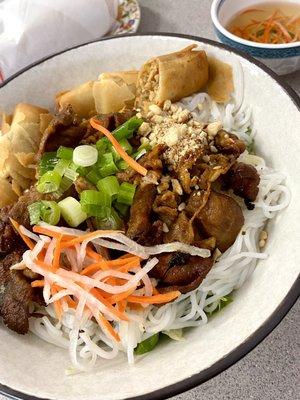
(282, 58)
(30, 367)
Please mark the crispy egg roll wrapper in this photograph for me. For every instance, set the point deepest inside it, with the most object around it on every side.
(5, 145)
(112, 93)
(129, 77)
(27, 113)
(220, 85)
(172, 76)
(15, 165)
(19, 146)
(80, 98)
(6, 121)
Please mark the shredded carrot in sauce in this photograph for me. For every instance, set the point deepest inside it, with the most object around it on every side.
(276, 28)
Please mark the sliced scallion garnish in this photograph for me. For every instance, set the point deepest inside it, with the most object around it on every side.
(72, 212)
(85, 155)
(126, 193)
(49, 182)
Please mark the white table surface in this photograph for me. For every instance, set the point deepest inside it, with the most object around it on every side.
(272, 370)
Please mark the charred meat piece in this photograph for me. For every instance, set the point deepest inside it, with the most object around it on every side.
(179, 271)
(139, 222)
(165, 206)
(18, 211)
(66, 129)
(180, 231)
(229, 143)
(15, 294)
(151, 161)
(244, 180)
(82, 184)
(155, 234)
(196, 202)
(109, 121)
(222, 218)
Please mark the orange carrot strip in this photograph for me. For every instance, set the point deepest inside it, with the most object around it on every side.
(71, 303)
(156, 299)
(122, 305)
(107, 304)
(91, 269)
(93, 254)
(128, 266)
(283, 30)
(26, 239)
(82, 238)
(116, 298)
(119, 149)
(43, 265)
(38, 283)
(45, 231)
(105, 265)
(109, 328)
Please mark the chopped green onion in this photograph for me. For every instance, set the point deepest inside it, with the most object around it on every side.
(102, 145)
(145, 146)
(126, 130)
(95, 197)
(71, 211)
(95, 204)
(61, 167)
(71, 174)
(93, 210)
(223, 302)
(83, 171)
(106, 165)
(49, 182)
(122, 208)
(47, 163)
(85, 155)
(122, 164)
(50, 212)
(113, 221)
(66, 153)
(65, 185)
(147, 345)
(93, 176)
(109, 185)
(125, 145)
(34, 211)
(140, 153)
(126, 193)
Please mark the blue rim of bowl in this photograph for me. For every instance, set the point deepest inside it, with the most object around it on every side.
(255, 49)
(274, 319)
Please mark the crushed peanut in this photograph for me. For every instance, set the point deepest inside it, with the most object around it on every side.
(181, 206)
(213, 128)
(176, 186)
(165, 228)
